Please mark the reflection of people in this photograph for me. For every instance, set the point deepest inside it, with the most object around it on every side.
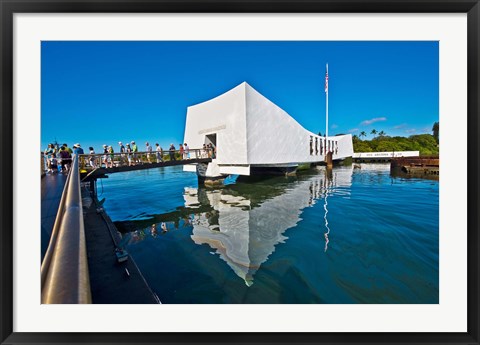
(186, 221)
(213, 220)
(153, 230)
(310, 200)
(164, 227)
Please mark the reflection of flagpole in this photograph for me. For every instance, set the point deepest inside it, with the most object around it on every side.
(325, 216)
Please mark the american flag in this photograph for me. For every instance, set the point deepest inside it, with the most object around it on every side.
(326, 80)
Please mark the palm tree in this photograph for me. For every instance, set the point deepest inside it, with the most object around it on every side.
(374, 131)
(362, 134)
(382, 134)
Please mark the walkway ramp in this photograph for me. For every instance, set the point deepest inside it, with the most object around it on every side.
(89, 173)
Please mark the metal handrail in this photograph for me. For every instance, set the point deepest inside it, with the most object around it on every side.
(64, 271)
(117, 159)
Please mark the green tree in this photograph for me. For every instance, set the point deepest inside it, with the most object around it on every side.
(436, 130)
(382, 134)
(373, 132)
(425, 143)
(363, 134)
(362, 146)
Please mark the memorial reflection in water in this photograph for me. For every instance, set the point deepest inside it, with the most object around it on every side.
(245, 226)
(348, 235)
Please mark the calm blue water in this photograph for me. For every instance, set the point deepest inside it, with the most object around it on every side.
(352, 236)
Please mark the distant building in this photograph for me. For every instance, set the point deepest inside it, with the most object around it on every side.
(250, 132)
(382, 156)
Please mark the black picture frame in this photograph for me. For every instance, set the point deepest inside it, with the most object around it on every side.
(9, 8)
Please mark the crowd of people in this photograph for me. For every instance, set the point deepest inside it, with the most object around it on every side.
(59, 158)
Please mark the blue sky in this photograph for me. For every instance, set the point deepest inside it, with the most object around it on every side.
(100, 92)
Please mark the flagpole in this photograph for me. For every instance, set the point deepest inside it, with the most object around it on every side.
(326, 94)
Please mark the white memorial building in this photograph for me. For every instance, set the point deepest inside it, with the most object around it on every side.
(251, 133)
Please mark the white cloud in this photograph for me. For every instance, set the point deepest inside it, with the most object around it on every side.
(376, 119)
(333, 126)
(353, 130)
(410, 131)
(403, 125)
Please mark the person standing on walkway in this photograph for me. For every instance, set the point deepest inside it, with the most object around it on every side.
(182, 156)
(122, 151)
(110, 158)
(171, 152)
(159, 153)
(214, 151)
(53, 165)
(77, 149)
(105, 155)
(149, 151)
(66, 159)
(186, 151)
(48, 153)
(136, 159)
(69, 150)
(129, 154)
(209, 150)
(92, 157)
